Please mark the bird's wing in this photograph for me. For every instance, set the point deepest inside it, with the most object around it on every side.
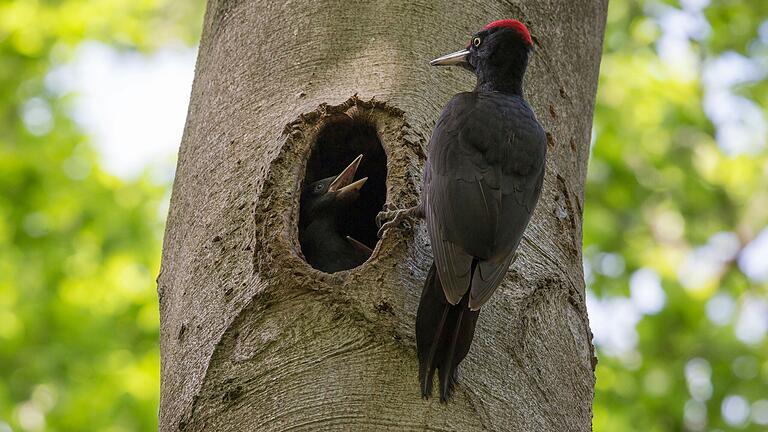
(488, 275)
(485, 167)
(517, 211)
(454, 265)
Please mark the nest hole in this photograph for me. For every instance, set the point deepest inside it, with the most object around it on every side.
(339, 141)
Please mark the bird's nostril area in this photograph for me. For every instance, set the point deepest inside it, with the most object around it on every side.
(337, 231)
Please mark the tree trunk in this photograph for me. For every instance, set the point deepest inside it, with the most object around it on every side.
(255, 339)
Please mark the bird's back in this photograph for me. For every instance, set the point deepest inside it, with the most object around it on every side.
(484, 176)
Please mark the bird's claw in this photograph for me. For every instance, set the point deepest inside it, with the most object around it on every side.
(381, 216)
(390, 218)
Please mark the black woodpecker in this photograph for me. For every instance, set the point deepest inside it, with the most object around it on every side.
(322, 205)
(482, 179)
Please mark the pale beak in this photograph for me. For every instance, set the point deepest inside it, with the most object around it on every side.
(458, 58)
(359, 246)
(345, 178)
(350, 189)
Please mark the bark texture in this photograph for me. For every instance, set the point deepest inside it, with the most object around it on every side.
(253, 338)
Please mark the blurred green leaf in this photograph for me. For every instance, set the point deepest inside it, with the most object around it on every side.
(659, 187)
(79, 248)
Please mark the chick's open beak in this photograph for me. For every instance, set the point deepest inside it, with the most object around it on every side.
(343, 185)
(350, 189)
(346, 176)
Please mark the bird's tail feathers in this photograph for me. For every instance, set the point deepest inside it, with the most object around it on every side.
(444, 334)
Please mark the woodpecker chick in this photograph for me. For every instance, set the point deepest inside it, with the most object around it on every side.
(321, 230)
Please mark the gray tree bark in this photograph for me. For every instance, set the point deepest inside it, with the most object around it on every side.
(253, 338)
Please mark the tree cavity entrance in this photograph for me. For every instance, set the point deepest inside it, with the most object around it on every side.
(337, 228)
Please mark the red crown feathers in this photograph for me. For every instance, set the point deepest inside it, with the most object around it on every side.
(514, 25)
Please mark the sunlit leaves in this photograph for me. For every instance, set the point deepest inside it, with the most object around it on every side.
(31, 26)
(79, 248)
(666, 194)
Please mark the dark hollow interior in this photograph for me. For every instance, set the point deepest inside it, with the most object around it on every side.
(338, 143)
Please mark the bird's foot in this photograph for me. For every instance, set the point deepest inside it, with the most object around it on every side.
(392, 218)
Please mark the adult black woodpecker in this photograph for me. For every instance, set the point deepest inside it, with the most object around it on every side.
(482, 179)
(321, 230)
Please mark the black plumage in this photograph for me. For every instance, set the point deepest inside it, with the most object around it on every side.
(481, 183)
(444, 333)
(482, 179)
(324, 242)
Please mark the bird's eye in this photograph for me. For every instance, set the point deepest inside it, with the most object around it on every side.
(477, 41)
(319, 188)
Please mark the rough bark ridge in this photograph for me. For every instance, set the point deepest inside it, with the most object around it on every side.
(252, 338)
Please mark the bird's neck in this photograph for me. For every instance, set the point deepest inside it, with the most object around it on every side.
(512, 87)
(502, 74)
(322, 235)
(324, 223)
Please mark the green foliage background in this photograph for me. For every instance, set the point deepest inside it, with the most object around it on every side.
(79, 248)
